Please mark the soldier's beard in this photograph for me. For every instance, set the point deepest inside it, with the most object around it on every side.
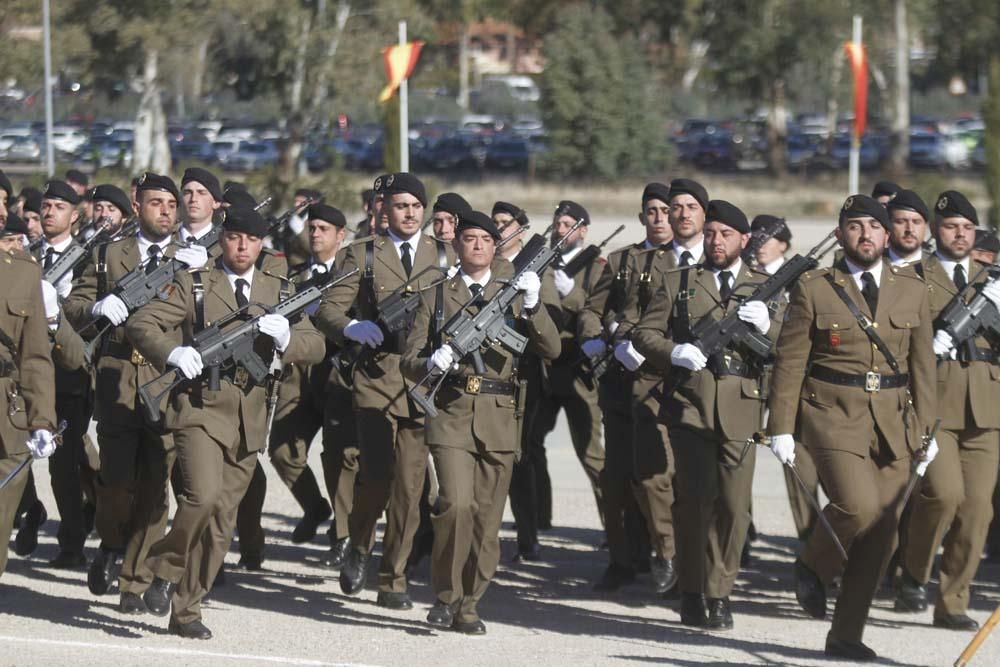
(863, 258)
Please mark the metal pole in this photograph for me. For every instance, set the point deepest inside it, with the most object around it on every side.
(404, 117)
(50, 163)
(855, 160)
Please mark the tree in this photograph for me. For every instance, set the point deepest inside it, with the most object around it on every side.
(991, 116)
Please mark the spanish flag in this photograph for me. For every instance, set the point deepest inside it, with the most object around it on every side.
(858, 59)
(399, 64)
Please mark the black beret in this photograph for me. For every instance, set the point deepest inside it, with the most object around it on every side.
(107, 192)
(32, 200)
(987, 240)
(151, 181)
(378, 187)
(885, 188)
(246, 220)
(5, 184)
(515, 212)
(206, 178)
(722, 211)
(685, 186)
(908, 200)
(237, 195)
(77, 176)
(573, 210)
(479, 220)
(659, 191)
(452, 202)
(952, 204)
(366, 196)
(861, 206)
(233, 184)
(309, 193)
(14, 225)
(326, 213)
(405, 183)
(765, 221)
(60, 190)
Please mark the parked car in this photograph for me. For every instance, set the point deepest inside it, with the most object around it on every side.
(508, 153)
(23, 149)
(252, 155)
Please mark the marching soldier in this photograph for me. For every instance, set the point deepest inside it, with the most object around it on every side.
(715, 407)
(448, 209)
(908, 219)
(296, 238)
(854, 349)
(471, 438)
(217, 434)
(884, 191)
(112, 203)
(201, 197)
(954, 505)
(390, 428)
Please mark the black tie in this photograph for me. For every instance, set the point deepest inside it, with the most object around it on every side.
(154, 252)
(50, 257)
(959, 277)
(725, 284)
(241, 294)
(686, 258)
(191, 240)
(869, 290)
(318, 270)
(404, 256)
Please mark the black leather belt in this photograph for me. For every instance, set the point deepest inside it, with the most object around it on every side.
(476, 384)
(977, 354)
(123, 351)
(870, 382)
(721, 366)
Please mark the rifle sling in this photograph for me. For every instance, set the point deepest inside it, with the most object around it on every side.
(867, 325)
(645, 283)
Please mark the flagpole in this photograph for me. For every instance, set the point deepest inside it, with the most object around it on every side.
(855, 156)
(404, 119)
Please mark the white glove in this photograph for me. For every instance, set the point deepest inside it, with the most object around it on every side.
(564, 284)
(51, 300)
(278, 328)
(195, 256)
(365, 332)
(629, 357)
(991, 291)
(944, 344)
(529, 283)
(452, 271)
(783, 447)
(297, 223)
(757, 314)
(932, 452)
(42, 444)
(688, 356)
(112, 308)
(613, 326)
(188, 360)
(65, 286)
(593, 347)
(442, 359)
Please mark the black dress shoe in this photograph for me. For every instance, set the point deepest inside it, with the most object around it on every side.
(956, 622)
(250, 563)
(104, 571)
(305, 530)
(719, 615)
(67, 560)
(130, 603)
(27, 533)
(192, 630)
(440, 615)
(856, 651)
(614, 578)
(809, 591)
(911, 595)
(354, 572)
(693, 610)
(397, 601)
(157, 596)
(530, 553)
(469, 627)
(334, 558)
(664, 575)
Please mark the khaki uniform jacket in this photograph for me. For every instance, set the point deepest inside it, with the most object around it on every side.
(489, 417)
(27, 397)
(69, 382)
(378, 382)
(730, 404)
(820, 330)
(67, 347)
(192, 404)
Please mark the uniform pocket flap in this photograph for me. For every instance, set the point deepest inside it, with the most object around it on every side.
(834, 321)
(904, 320)
(19, 307)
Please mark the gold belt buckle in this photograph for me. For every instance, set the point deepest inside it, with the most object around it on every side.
(137, 358)
(473, 384)
(873, 381)
(240, 377)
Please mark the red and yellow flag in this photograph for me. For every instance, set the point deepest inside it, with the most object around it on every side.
(858, 59)
(399, 64)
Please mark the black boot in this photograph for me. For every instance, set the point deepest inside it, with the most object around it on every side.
(354, 572)
(334, 558)
(911, 595)
(104, 571)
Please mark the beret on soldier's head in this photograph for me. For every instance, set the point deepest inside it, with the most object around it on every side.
(452, 202)
(366, 196)
(151, 181)
(885, 189)
(14, 225)
(32, 200)
(953, 204)
(60, 190)
(766, 221)
(115, 195)
(719, 210)
(326, 213)
(206, 178)
(573, 210)
(309, 193)
(245, 220)
(77, 176)
(237, 195)
(987, 240)
(378, 187)
(685, 186)
(404, 182)
(477, 219)
(861, 206)
(659, 191)
(512, 210)
(5, 185)
(908, 200)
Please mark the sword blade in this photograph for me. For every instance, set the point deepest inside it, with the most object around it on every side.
(819, 511)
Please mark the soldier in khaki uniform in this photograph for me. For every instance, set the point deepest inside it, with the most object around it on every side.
(715, 407)
(954, 505)
(390, 428)
(474, 436)
(854, 348)
(295, 242)
(217, 434)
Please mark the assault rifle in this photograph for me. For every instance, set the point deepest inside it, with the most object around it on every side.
(76, 253)
(965, 321)
(586, 256)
